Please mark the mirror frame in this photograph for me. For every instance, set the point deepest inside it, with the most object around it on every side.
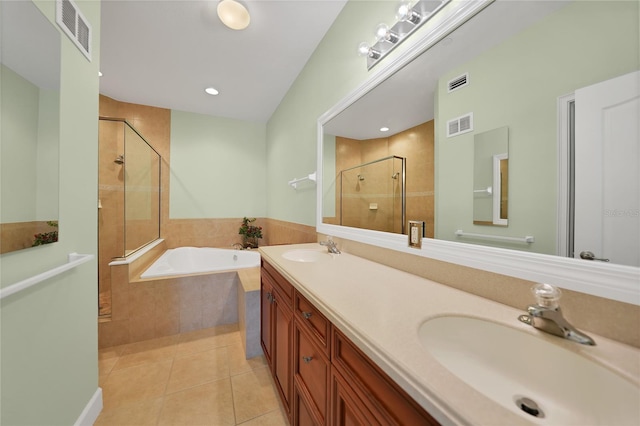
(616, 282)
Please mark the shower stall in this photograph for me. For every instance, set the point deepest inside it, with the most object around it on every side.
(128, 198)
(372, 195)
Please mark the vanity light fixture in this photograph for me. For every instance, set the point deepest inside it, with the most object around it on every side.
(410, 16)
(212, 91)
(233, 14)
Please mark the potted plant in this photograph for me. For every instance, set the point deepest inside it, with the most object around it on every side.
(250, 233)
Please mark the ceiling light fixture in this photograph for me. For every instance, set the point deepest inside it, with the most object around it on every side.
(211, 91)
(411, 15)
(233, 14)
(384, 129)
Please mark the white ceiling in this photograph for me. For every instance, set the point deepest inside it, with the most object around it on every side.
(165, 53)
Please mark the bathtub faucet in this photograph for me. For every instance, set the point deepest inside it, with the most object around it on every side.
(237, 246)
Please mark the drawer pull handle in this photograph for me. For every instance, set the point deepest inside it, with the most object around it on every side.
(307, 359)
(306, 315)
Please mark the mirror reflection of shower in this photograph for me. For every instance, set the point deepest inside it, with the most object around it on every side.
(380, 202)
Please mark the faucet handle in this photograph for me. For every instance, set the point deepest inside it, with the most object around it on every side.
(546, 295)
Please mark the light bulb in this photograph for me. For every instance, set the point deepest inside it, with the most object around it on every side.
(363, 49)
(407, 14)
(384, 33)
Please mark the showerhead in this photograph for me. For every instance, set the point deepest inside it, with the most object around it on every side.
(119, 159)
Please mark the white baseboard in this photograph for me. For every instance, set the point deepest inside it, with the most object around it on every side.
(91, 411)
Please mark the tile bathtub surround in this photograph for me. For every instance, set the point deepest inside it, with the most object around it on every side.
(198, 377)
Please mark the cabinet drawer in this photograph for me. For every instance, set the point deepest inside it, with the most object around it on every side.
(279, 282)
(382, 396)
(313, 320)
(311, 372)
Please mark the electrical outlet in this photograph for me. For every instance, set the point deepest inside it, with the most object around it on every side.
(416, 232)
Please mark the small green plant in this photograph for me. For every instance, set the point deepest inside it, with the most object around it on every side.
(250, 233)
(248, 230)
(46, 237)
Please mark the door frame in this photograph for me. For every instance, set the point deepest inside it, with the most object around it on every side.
(565, 190)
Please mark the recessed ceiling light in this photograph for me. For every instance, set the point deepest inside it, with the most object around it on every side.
(211, 91)
(233, 14)
(384, 129)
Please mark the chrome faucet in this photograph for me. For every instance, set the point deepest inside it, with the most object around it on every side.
(331, 246)
(547, 316)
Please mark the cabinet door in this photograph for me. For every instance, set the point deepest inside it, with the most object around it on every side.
(346, 407)
(302, 415)
(282, 351)
(311, 372)
(266, 325)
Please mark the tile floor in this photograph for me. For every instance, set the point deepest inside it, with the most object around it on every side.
(195, 378)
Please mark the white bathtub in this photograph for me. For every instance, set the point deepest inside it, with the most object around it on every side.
(196, 260)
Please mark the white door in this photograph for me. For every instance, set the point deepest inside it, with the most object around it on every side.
(607, 181)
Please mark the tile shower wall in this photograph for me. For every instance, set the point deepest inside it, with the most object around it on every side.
(416, 145)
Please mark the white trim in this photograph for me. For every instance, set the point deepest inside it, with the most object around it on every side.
(617, 282)
(91, 411)
(562, 242)
(497, 189)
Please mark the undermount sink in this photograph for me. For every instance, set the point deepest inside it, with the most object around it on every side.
(302, 255)
(527, 374)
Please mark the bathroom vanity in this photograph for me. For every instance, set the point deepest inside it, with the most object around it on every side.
(350, 341)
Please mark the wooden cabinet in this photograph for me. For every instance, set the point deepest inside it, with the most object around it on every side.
(277, 330)
(381, 396)
(322, 377)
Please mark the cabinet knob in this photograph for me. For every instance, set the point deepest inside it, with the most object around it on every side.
(306, 315)
(307, 359)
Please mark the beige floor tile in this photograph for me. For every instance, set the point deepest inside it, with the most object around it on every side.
(139, 414)
(208, 338)
(274, 418)
(154, 350)
(134, 384)
(202, 367)
(106, 365)
(208, 404)
(239, 364)
(254, 394)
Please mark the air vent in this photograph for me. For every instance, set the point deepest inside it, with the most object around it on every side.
(74, 25)
(460, 125)
(458, 82)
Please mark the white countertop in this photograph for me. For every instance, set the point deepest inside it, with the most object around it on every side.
(380, 309)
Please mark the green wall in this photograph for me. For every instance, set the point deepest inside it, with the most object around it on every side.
(517, 84)
(49, 355)
(20, 105)
(218, 167)
(333, 71)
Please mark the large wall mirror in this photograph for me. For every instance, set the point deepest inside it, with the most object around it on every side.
(29, 142)
(516, 68)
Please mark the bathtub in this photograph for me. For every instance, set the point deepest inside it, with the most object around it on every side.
(197, 260)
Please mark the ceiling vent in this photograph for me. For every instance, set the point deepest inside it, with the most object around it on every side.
(74, 25)
(458, 82)
(460, 125)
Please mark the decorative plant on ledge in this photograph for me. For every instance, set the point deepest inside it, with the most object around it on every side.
(46, 237)
(250, 233)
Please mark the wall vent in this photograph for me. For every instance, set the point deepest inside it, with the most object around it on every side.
(458, 82)
(74, 25)
(460, 125)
